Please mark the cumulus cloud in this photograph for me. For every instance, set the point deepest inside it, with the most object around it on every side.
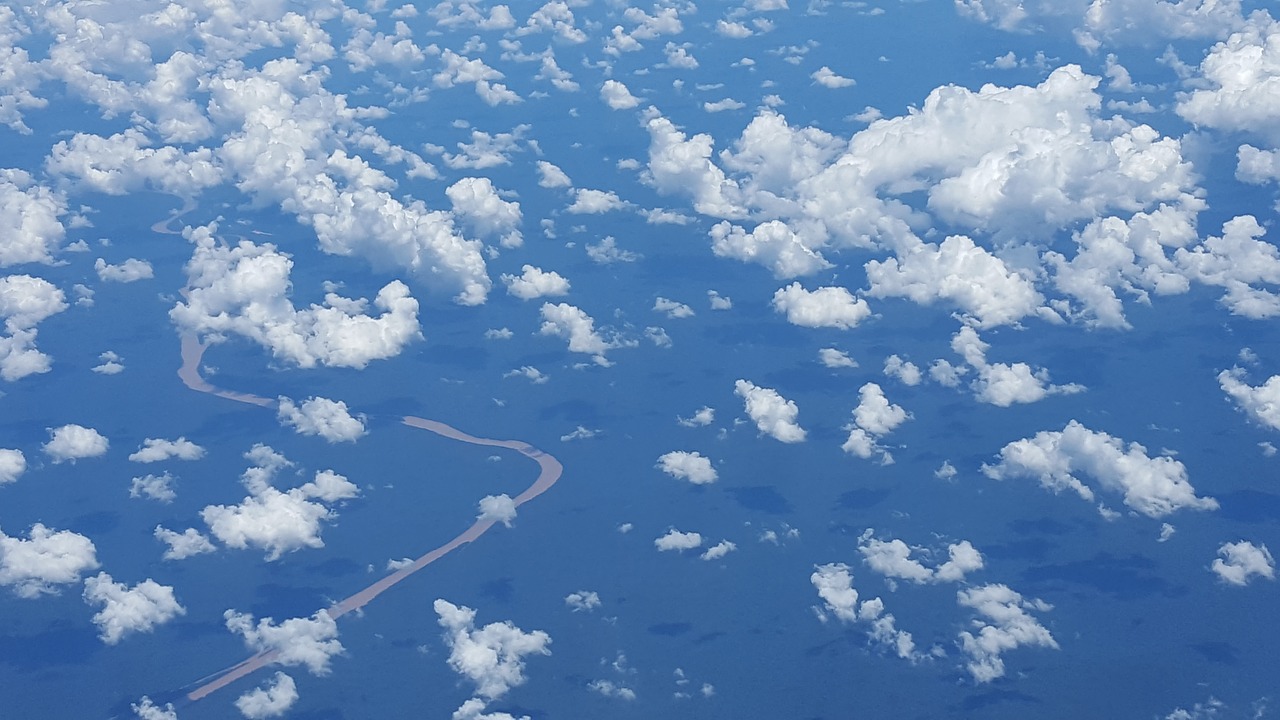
(678, 541)
(617, 96)
(534, 282)
(483, 210)
(773, 414)
(327, 418)
(1155, 487)
(155, 487)
(74, 442)
(904, 370)
(29, 219)
(673, 309)
(582, 600)
(825, 307)
(873, 418)
(497, 509)
(269, 701)
(492, 657)
(999, 384)
(1003, 624)
(826, 77)
(691, 466)
(183, 545)
(311, 642)
(1241, 561)
(111, 364)
(131, 270)
(159, 449)
(551, 176)
(24, 302)
(892, 558)
(703, 417)
(46, 559)
(1238, 74)
(718, 551)
(243, 290)
(593, 202)
(12, 464)
(127, 610)
(834, 583)
(835, 358)
(576, 326)
(145, 709)
(1261, 403)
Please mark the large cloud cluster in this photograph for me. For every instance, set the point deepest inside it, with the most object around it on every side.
(1003, 624)
(24, 302)
(243, 289)
(1153, 486)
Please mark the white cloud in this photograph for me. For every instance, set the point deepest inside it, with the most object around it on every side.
(904, 370)
(703, 417)
(582, 600)
(131, 270)
(1261, 403)
(159, 449)
(678, 541)
(875, 413)
(723, 105)
(1003, 625)
(718, 551)
(551, 176)
(718, 301)
(960, 273)
(892, 558)
(533, 374)
(183, 545)
(534, 283)
(110, 364)
(574, 325)
(47, 558)
(617, 96)
(834, 584)
(310, 642)
(145, 709)
(1114, 22)
(270, 701)
(594, 202)
(498, 509)
(735, 30)
(243, 290)
(1239, 261)
(492, 657)
(127, 610)
(481, 208)
(1241, 561)
(327, 418)
(825, 307)
(74, 442)
(155, 487)
(772, 244)
(607, 251)
(998, 384)
(672, 308)
(691, 466)
(826, 77)
(1155, 487)
(833, 358)
(773, 414)
(609, 688)
(329, 487)
(24, 302)
(1239, 73)
(12, 464)
(28, 218)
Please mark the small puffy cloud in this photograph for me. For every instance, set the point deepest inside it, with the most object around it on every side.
(723, 105)
(145, 709)
(718, 301)
(904, 370)
(1003, 624)
(1241, 561)
(773, 414)
(594, 202)
(875, 413)
(154, 487)
(24, 302)
(159, 449)
(492, 657)
(582, 600)
(826, 77)
(110, 364)
(691, 466)
(607, 251)
(74, 442)
(1000, 384)
(833, 358)
(617, 96)
(551, 176)
(497, 509)
(533, 374)
(579, 433)
(892, 558)
(1155, 487)
(130, 270)
(735, 30)
(127, 610)
(330, 487)
(825, 307)
(184, 544)
(672, 308)
(327, 418)
(477, 203)
(772, 244)
(45, 559)
(834, 583)
(718, 551)
(310, 642)
(573, 324)
(12, 464)
(534, 283)
(269, 701)
(1261, 403)
(678, 541)
(609, 688)
(703, 417)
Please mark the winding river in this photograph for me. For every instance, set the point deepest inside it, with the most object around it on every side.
(549, 472)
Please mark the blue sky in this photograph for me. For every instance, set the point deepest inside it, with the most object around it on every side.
(904, 359)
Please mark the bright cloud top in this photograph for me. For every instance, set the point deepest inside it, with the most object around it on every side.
(47, 558)
(773, 414)
(691, 466)
(1241, 562)
(74, 442)
(491, 657)
(330, 419)
(127, 610)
